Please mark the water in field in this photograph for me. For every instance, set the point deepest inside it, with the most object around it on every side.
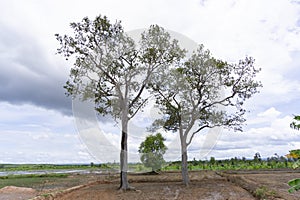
(62, 171)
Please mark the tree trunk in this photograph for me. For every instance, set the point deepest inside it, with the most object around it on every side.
(124, 152)
(184, 158)
(184, 164)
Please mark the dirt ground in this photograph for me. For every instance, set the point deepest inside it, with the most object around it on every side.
(12, 192)
(205, 185)
(274, 180)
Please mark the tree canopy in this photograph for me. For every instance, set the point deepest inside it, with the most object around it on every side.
(296, 124)
(152, 151)
(189, 96)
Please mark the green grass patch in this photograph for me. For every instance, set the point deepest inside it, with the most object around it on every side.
(264, 193)
(32, 167)
(36, 181)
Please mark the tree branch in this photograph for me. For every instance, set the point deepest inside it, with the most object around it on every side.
(139, 107)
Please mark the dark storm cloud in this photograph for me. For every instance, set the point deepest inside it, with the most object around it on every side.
(27, 75)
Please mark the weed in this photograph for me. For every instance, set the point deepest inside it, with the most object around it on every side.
(263, 192)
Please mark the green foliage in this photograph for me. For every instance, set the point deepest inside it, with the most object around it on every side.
(152, 151)
(110, 68)
(190, 93)
(257, 157)
(189, 96)
(296, 164)
(296, 124)
(212, 160)
(263, 192)
(294, 184)
(295, 154)
(34, 176)
(33, 167)
(30, 180)
(234, 164)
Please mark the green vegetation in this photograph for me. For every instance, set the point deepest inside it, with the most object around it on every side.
(33, 167)
(30, 180)
(294, 154)
(263, 192)
(296, 124)
(189, 97)
(40, 181)
(234, 164)
(274, 162)
(152, 151)
(34, 176)
(295, 183)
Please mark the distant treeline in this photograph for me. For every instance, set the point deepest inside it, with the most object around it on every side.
(275, 162)
(235, 163)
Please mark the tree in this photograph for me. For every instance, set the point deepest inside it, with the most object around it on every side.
(152, 151)
(295, 183)
(113, 71)
(257, 157)
(212, 160)
(296, 124)
(189, 96)
(295, 154)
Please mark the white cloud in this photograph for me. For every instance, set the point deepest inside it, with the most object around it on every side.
(277, 137)
(32, 134)
(270, 113)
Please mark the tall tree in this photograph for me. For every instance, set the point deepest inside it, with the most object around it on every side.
(152, 151)
(113, 71)
(189, 97)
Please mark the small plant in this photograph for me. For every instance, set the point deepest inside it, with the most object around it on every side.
(46, 195)
(263, 192)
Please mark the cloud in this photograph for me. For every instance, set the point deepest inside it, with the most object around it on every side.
(30, 134)
(271, 112)
(269, 35)
(277, 137)
(28, 117)
(27, 75)
(33, 147)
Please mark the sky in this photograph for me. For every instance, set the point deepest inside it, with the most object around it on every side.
(39, 124)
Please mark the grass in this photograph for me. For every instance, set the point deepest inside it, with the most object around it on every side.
(31, 167)
(263, 192)
(31, 180)
(227, 164)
